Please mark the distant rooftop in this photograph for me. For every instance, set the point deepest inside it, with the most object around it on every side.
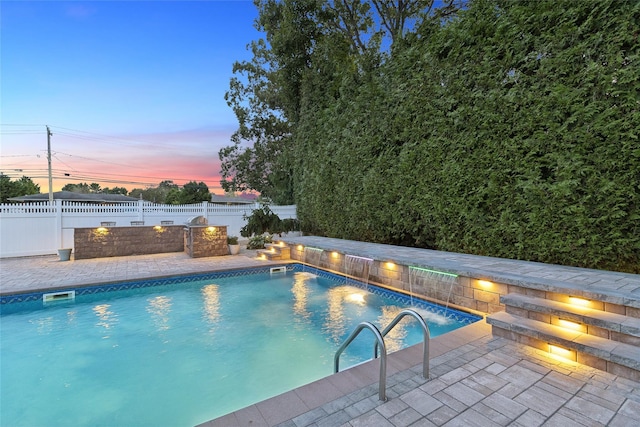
(70, 196)
(246, 199)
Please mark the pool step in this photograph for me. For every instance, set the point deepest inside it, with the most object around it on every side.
(275, 252)
(601, 339)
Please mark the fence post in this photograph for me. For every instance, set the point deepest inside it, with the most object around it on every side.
(57, 208)
(205, 210)
(140, 210)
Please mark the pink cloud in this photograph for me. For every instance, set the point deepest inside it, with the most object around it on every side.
(134, 161)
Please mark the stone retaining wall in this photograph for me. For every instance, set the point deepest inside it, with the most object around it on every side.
(123, 241)
(460, 291)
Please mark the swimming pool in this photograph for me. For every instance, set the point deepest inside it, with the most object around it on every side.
(181, 351)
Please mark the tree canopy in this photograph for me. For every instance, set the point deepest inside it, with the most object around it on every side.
(20, 187)
(94, 187)
(494, 127)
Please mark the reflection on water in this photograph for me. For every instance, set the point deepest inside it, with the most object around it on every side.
(300, 290)
(159, 307)
(44, 324)
(71, 317)
(211, 299)
(337, 299)
(106, 318)
(393, 340)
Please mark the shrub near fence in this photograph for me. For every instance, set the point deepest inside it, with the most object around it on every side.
(41, 228)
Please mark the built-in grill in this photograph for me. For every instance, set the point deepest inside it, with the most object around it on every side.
(202, 239)
(197, 220)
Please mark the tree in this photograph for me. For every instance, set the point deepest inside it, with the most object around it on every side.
(509, 131)
(194, 192)
(173, 197)
(308, 46)
(26, 186)
(264, 220)
(20, 187)
(157, 194)
(77, 188)
(115, 190)
(83, 188)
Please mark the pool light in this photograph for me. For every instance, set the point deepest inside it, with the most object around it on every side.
(356, 298)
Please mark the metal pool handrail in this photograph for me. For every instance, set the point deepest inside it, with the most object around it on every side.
(425, 338)
(383, 358)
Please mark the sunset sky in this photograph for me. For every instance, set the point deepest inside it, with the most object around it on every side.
(133, 91)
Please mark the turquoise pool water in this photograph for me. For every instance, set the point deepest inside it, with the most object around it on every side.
(181, 351)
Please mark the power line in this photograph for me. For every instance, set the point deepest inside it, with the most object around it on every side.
(99, 161)
(92, 136)
(80, 175)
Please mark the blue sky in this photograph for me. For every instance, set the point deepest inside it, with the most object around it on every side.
(133, 90)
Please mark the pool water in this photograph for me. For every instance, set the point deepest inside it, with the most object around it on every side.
(183, 353)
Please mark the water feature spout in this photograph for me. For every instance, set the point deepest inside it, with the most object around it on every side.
(313, 256)
(357, 266)
(425, 276)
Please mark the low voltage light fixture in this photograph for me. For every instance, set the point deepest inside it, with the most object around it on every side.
(561, 352)
(579, 301)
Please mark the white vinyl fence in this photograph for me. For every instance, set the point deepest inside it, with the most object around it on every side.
(41, 228)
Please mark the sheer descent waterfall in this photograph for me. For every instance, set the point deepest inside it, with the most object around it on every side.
(313, 256)
(358, 267)
(426, 277)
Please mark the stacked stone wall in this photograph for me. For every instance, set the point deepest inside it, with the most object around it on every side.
(462, 292)
(123, 241)
(206, 241)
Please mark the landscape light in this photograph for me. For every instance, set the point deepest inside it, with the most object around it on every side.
(579, 301)
(562, 352)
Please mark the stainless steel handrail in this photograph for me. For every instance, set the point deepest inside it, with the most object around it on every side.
(425, 338)
(383, 358)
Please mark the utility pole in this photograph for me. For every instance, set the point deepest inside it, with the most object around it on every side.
(49, 160)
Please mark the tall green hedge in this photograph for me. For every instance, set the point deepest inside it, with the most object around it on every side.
(510, 131)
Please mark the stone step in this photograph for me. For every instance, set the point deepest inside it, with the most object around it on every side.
(617, 323)
(626, 355)
(270, 255)
(274, 251)
(285, 250)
